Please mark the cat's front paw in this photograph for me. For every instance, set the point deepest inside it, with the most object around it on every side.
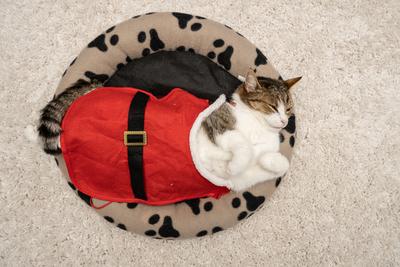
(240, 161)
(275, 163)
(234, 168)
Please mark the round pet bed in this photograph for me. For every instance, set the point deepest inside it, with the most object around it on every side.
(140, 37)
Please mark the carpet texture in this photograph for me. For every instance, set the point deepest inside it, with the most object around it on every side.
(340, 203)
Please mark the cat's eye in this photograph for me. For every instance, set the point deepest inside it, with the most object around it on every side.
(273, 108)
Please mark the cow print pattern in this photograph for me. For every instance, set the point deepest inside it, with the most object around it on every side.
(161, 225)
(183, 20)
(224, 57)
(182, 48)
(260, 59)
(166, 230)
(99, 43)
(278, 181)
(253, 202)
(93, 77)
(291, 126)
(155, 42)
(194, 205)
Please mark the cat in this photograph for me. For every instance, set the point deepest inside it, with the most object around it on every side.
(239, 141)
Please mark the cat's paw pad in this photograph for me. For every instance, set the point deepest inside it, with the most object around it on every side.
(275, 162)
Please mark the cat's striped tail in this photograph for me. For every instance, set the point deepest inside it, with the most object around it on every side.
(51, 116)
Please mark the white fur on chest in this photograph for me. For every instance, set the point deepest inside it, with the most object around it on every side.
(255, 130)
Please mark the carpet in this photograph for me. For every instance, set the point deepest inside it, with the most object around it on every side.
(340, 202)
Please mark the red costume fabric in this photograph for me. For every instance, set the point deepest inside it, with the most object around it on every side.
(92, 143)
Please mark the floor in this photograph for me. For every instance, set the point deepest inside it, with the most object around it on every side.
(340, 204)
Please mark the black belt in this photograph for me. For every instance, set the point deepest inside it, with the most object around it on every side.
(135, 138)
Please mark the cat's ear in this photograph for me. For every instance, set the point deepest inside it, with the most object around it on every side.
(289, 83)
(251, 82)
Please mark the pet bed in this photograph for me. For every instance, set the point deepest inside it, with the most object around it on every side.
(123, 55)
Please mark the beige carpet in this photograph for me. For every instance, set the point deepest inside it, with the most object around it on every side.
(340, 204)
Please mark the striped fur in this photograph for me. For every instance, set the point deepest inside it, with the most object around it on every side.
(49, 128)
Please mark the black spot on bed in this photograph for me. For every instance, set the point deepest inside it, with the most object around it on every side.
(191, 50)
(211, 55)
(291, 126)
(208, 206)
(180, 48)
(96, 77)
(281, 137)
(120, 66)
(278, 181)
(121, 226)
(195, 27)
(150, 233)
(291, 141)
(135, 17)
(109, 219)
(131, 205)
(114, 39)
(141, 37)
(183, 19)
(155, 42)
(56, 160)
(236, 202)
(224, 58)
(218, 43)
(99, 42)
(146, 52)
(260, 59)
(72, 186)
(253, 202)
(194, 205)
(217, 229)
(167, 229)
(154, 219)
(110, 29)
(201, 233)
(200, 17)
(84, 197)
(242, 215)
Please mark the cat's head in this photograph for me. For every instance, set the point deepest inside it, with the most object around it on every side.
(272, 99)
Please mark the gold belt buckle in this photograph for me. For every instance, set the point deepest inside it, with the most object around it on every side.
(142, 133)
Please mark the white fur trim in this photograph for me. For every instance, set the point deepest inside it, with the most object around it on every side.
(193, 144)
